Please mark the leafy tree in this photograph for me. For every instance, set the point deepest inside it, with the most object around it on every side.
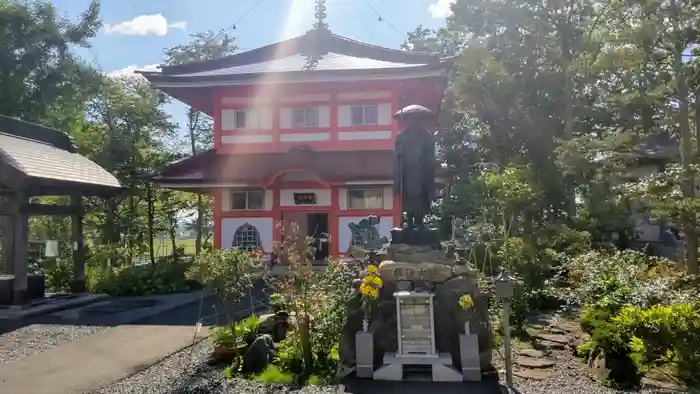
(203, 46)
(38, 71)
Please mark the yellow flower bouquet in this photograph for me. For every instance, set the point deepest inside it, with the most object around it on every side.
(369, 288)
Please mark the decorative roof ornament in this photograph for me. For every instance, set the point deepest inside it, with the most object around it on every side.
(320, 15)
(316, 43)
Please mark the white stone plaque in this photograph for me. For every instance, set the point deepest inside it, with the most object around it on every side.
(414, 320)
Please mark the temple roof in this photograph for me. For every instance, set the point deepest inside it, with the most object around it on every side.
(258, 169)
(318, 50)
(34, 155)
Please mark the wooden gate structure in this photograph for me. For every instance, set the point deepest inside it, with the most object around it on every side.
(39, 161)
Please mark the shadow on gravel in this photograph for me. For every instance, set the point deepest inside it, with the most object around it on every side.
(366, 386)
(207, 310)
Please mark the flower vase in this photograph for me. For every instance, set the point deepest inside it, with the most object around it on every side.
(365, 324)
(467, 328)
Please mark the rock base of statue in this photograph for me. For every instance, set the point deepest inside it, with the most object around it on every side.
(416, 236)
(421, 268)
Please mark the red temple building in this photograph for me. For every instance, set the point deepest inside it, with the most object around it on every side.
(303, 133)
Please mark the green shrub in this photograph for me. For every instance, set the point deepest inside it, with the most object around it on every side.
(276, 302)
(150, 279)
(627, 277)
(58, 274)
(227, 273)
(272, 374)
(289, 357)
(664, 335)
(246, 332)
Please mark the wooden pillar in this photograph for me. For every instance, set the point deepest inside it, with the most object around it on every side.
(7, 238)
(78, 283)
(333, 216)
(21, 256)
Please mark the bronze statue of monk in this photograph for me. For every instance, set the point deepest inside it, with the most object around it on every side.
(414, 164)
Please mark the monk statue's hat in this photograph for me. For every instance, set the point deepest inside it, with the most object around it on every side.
(414, 112)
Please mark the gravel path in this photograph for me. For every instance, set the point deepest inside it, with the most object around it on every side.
(36, 338)
(569, 375)
(185, 372)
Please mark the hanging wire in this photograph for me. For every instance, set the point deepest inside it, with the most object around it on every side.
(382, 19)
(246, 13)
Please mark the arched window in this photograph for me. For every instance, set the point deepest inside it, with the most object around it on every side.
(247, 238)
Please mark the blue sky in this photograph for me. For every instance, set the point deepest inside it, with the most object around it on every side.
(137, 31)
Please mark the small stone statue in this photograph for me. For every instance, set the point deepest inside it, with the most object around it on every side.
(414, 165)
(367, 233)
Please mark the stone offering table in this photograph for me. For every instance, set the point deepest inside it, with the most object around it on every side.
(428, 275)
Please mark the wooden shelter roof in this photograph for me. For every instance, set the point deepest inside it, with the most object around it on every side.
(42, 160)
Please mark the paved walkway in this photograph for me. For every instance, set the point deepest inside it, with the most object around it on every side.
(86, 365)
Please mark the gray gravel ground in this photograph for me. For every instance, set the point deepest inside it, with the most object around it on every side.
(36, 338)
(185, 372)
(569, 375)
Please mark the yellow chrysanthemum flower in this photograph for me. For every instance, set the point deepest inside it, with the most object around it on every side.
(372, 269)
(466, 301)
(373, 280)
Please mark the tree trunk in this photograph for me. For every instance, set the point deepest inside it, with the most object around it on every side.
(199, 225)
(688, 183)
(173, 237)
(151, 214)
(193, 117)
(306, 351)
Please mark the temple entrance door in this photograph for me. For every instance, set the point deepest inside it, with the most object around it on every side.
(294, 230)
(317, 228)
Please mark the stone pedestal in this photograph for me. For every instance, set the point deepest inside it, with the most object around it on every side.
(364, 354)
(416, 340)
(440, 364)
(469, 355)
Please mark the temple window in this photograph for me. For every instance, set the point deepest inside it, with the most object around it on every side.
(365, 115)
(239, 119)
(305, 117)
(247, 238)
(248, 200)
(366, 198)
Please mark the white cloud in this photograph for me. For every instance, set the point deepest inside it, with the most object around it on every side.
(144, 25)
(129, 70)
(441, 8)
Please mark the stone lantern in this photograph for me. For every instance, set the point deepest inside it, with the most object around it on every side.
(504, 291)
(504, 285)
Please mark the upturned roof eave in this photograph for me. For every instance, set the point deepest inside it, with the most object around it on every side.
(437, 69)
(298, 45)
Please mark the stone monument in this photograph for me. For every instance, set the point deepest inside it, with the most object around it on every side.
(418, 321)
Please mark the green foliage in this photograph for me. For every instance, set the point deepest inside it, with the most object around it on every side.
(614, 278)
(40, 72)
(58, 274)
(289, 357)
(664, 335)
(276, 302)
(246, 331)
(151, 279)
(228, 273)
(635, 306)
(272, 374)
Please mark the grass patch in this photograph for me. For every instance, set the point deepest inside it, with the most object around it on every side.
(272, 374)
